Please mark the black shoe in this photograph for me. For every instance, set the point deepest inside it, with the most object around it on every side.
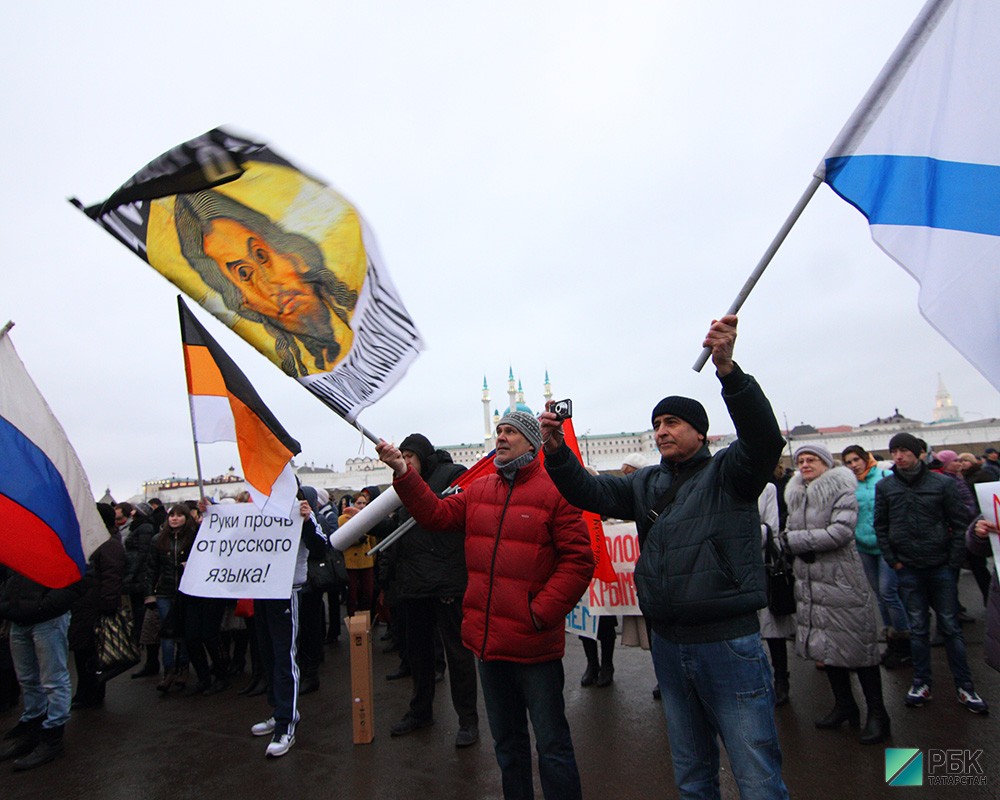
(147, 671)
(254, 682)
(309, 685)
(589, 675)
(964, 618)
(258, 690)
(402, 672)
(20, 746)
(780, 691)
(198, 688)
(876, 728)
(605, 677)
(50, 747)
(467, 735)
(217, 686)
(409, 724)
(656, 692)
(838, 716)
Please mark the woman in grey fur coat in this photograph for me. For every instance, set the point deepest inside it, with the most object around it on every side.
(835, 614)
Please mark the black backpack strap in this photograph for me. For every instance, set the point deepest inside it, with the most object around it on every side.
(668, 496)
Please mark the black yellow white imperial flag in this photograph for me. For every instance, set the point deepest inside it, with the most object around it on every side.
(226, 408)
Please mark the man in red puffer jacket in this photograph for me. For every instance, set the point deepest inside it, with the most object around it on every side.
(529, 560)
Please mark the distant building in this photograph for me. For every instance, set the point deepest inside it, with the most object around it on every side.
(606, 451)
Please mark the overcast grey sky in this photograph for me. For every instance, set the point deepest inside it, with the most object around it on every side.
(574, 186)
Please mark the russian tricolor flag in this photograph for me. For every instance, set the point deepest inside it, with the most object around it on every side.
(920, 158)
(49, 523)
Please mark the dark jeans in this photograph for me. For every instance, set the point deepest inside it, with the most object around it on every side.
(311, 631)
(423, 618)
(89, 690)
(203, 636)
(513, 692)
(922, 590)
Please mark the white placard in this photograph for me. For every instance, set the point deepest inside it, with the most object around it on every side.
(240, 552)
(988, 495)
(604, 598)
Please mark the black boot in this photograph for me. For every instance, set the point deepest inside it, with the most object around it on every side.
(22, 738)
(844, 708)
(780, 689)
(593, 665)
(152, 666)
(49, 747)
(607, 672)
(876, 728)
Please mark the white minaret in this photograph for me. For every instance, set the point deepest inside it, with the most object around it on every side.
(520, 393)
(511, 391)
(487, 427)
(944, 409)
(547, 394)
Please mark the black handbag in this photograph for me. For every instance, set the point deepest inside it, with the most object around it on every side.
(780, 578)
(117, 649)
(322, 573)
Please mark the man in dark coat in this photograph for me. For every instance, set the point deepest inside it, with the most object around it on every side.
(102, 594)
(431, 579)
(137, 537)
(920, 523)
(700, 574)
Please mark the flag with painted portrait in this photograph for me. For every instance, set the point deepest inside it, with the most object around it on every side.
(277, 255)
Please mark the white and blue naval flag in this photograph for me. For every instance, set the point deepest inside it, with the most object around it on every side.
(920, 158)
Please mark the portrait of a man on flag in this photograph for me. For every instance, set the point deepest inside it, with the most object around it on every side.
(277, 255)
(274, 277)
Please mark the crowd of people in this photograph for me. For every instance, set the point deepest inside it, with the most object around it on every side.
(478, 589)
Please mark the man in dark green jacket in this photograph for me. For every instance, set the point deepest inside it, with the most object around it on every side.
(920, 522)
(700, 574)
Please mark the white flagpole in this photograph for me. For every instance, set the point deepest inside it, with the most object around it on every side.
(859, 122)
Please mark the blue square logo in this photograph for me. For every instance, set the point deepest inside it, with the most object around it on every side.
(904, 766)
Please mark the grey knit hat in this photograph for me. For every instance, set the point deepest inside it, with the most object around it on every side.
(526, 424)
(817, 450)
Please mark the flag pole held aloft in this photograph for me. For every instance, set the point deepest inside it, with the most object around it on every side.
(758, 271)
(855, 128)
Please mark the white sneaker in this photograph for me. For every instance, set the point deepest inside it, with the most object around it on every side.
(264, 728)
(280, 745)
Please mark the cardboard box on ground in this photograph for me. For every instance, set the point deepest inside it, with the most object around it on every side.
(359, 630)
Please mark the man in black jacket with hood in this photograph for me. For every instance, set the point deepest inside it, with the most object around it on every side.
(431, 579)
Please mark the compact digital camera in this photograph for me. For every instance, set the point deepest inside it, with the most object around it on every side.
(562, 408)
